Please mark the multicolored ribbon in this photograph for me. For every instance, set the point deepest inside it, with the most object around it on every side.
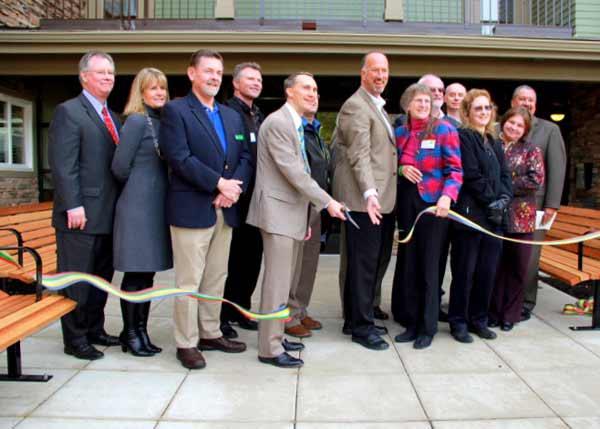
(56, 282)
(469, 223)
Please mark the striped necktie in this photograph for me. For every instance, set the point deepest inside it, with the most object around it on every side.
(109, 125)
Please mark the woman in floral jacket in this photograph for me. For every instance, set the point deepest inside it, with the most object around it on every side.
(526, 164)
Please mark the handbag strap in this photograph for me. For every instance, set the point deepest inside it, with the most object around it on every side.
(154, 139)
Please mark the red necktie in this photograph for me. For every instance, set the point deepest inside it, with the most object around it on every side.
(109, 124)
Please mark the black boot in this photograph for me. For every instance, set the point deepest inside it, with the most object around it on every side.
(129, 338)
(142, 327)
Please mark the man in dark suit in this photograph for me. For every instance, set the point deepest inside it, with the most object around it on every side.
(204, 143)
(83, 136)
(545, 135)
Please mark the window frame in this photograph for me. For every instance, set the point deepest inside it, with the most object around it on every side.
(27, 107)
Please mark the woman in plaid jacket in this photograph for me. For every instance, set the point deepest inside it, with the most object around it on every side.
(429, 173)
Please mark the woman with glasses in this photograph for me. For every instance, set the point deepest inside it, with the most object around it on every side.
(142, 243)
(429, 174)
(483, 198)
(526, 164)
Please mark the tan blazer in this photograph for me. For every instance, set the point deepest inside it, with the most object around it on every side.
(366, 156)
(283, 189)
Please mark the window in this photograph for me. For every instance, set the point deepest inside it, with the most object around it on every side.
(16, 134)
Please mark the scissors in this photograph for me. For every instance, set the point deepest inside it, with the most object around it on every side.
(347, 210)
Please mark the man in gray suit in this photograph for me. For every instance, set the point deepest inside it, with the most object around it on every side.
(545, 135)
(279, 208)
(83, 136)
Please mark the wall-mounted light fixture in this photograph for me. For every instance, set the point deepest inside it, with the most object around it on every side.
(557, 117)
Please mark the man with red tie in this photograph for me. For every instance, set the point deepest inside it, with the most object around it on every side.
(83, 135)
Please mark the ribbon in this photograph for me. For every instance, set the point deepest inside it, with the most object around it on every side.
(469, 223)
(59, 281)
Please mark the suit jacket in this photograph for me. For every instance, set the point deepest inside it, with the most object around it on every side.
(190, 144)
(366, 156)
(80, 153)
(546, 135)
(283, 189)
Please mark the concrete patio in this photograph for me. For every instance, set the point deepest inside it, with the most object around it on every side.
(540, 375)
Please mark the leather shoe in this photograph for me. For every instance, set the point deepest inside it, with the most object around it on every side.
(298, 331)
(422, 342)
(371, 341)
(103, 339)
(347, 329)
(380, 330)
(84, 351)
(283, 361)
(507, 326)
(462, 336)
(310, 323)
(493, 323)
(228, 331)
(247, 324)
(483, 332)
(525, 314)
(379, 314)
(292, 346)
(191, 358)
(222, 344)
(407, 336)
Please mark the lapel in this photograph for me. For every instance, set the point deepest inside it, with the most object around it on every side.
(91, 112)
(287, 116)
(367, 98)
(198, 111)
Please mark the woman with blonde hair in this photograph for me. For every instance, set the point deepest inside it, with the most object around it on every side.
(483, 198)
(142, 245)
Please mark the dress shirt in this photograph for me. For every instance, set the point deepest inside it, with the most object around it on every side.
(98, 106)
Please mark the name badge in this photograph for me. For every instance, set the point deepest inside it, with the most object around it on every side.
(239, 137)
(428, 144)
(252, 138)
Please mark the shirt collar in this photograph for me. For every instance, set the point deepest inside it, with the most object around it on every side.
(295, 116)
(215, 108)
(315, 124)
(379, 101)
(94, 101)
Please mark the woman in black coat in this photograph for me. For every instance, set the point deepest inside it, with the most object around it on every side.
(142, 243)
(483, 198)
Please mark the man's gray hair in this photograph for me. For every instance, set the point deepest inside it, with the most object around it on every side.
(84, 62)
(429, 75)
(521, 88)
(363, 60)
(291, 79)
(237, 70)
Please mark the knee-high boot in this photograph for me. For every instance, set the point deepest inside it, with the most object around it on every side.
(142, 327)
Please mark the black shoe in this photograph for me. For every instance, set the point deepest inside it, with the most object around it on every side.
(507, 326)
(347, 329)
(228, 331)
(131, 341)
(103, 339)
(483, 332)
(292, 346)
(84, 351)
(462, 336)
(380, 330)
(130, 338)
(379, 314)
(525, 314)
(371, 341)
(283, 361)
(443, 316)
(422, 342)
(249, 325)
(407, 336)
(144, 314)
(493, 323)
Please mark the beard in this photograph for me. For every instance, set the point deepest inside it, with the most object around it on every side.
(211, 91)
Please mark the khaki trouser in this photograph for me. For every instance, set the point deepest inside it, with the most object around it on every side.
(200, 258)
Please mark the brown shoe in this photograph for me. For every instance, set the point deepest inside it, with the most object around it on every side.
(223, 344)
(298, 331)
(191, 358)
(310, 323)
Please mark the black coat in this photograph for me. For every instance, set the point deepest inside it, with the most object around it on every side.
(485, 176)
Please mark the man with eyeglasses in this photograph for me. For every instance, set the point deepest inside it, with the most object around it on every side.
(83, 136)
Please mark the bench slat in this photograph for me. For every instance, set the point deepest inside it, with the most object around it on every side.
(7, 221)
(26, 311)
(590, 266)
(15, 303)
(563, 273)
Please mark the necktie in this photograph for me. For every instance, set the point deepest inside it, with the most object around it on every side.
(303, 149)
(109, 125)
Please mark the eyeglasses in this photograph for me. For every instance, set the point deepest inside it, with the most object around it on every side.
(487, 108)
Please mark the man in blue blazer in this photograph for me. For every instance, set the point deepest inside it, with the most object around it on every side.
(204, 144)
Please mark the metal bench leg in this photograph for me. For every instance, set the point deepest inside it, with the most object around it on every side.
(595, 314)
(13, 354)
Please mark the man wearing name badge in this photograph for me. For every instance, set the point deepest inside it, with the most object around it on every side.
(204, 144)
(245, 255)
(279, 208)
(545, 135)
(83, 135)
(365, 180)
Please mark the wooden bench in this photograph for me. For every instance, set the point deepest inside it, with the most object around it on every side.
(27, 235)
(575, 264)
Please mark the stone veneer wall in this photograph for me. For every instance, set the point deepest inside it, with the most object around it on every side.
(585, 147)
(18, 190)
(27, 13)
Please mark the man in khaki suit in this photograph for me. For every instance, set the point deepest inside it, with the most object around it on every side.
(365, 179)
(279, 208)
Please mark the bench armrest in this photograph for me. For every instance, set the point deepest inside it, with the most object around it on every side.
(19, 242)
(38, 267)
